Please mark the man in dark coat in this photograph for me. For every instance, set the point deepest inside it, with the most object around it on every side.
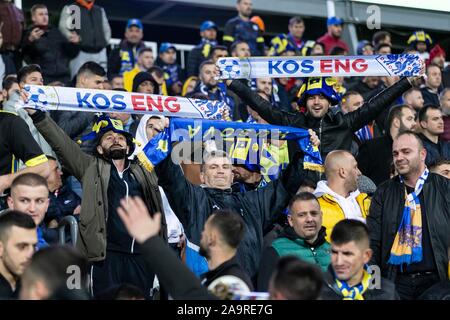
(414, 205)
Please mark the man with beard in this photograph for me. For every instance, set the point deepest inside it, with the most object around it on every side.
(124, 58)
(333, 36)
(241, 28)
(375, 156)
(210, 87)
(18, 239)
(409, 220)
(247, 177)
(338, 196)
(222, 233)
(106, 177)
(432, 124)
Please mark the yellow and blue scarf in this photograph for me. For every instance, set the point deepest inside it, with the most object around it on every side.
(407, 246)
(355, 292)
(250, 138)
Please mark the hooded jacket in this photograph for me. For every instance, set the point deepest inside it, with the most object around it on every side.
(289, 243)
(94, 174)
(336, 208)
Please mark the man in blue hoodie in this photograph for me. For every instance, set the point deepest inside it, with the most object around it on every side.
(173, 74)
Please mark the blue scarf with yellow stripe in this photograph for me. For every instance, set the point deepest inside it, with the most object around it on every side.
(407, 246)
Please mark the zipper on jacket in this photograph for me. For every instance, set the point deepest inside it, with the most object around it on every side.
(126, 197)
(314, 253)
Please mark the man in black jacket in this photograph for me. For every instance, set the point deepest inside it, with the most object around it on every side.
(292, 279)
(194, 204)
(124, 58)
(335, 130)
(46, 46)
(415, 201)
(348, 277)
(432, 125)
(208, 32)
(375, 156)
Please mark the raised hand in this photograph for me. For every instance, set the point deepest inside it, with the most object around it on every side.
(136, 218)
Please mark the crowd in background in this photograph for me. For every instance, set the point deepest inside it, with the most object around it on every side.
(221, 228)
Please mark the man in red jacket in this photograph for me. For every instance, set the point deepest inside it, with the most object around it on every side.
(333, 37)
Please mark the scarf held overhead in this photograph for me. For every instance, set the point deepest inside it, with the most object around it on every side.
(90, 100)
(159, 147)
(321, 66)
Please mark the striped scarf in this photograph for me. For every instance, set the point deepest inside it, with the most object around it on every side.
(407, 246)
(355, 292)
(365, 133)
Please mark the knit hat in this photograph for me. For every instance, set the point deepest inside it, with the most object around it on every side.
(420, 36)
(316, 85)
(366, 185)
(102, 125)
(436, 52)
(145, 76)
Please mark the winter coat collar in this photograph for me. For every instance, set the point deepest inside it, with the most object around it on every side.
(289, 232)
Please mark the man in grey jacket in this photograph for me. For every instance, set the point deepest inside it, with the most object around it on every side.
(106, 177)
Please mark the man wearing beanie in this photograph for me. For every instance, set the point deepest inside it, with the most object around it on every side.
(318, 95)
(143, 82)
(107, 176)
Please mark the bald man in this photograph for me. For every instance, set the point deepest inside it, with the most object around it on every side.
(339, 196)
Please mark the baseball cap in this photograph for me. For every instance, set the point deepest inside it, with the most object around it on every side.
(166, 46)
(334, 21)
(207, 25)
(135, 22)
